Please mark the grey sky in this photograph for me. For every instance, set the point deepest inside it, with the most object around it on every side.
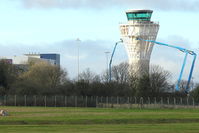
(52, 26)
(92, 54)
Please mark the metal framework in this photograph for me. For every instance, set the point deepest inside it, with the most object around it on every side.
(110, 63)
(184, 62)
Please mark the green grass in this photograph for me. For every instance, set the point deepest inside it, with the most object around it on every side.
(88, 120)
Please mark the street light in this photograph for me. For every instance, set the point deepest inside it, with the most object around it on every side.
(110, 63)
(78, 41)
(107, 55)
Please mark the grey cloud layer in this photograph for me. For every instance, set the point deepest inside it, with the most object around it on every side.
(181, 5)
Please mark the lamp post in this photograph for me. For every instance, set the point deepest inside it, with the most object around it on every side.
(107, 67)
(110, 63)
(78, 41)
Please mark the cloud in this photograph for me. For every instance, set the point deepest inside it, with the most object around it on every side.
(182, 5)
(92, 55)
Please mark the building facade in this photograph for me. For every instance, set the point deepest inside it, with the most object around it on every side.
(53, 59)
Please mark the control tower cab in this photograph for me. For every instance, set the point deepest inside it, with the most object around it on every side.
(139, 15)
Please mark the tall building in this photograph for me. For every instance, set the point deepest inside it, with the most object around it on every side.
(139, 25)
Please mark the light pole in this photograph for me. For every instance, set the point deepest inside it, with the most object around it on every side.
(107, 55)
(110, 63)
(78, 41)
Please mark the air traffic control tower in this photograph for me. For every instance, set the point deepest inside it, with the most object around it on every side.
(139, 25)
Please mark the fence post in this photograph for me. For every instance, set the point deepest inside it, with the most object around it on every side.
(75, 101)
(135, 100)
(5, 97)
(120, 102)
(128, 102)
(174, 101)
(101, 104)
(149, 100)
(193, 102)
(15, 100)
(187, 101)
(55, 102)
(168, 100)
(141, 102)
(107, 102)
(45, 101)
(161, 101)
(82, 102)
(65, 101)
(111, 102)
(86, 101)
(24, 100)
(96, 99)
(181, 100)
(117, 102)
(155, 101)
(35, 100)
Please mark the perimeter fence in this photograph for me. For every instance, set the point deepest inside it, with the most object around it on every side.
(99, 101)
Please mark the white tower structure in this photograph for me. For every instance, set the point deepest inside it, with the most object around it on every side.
(139, 25)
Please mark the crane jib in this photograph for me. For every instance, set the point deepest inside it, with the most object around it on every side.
(184, 62)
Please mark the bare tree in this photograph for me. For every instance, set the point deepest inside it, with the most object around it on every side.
(151, 84)
(183, 84)
(159, 79)
(105, 76)
(120, 73)
(89, 76)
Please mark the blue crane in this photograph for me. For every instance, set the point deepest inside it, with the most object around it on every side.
(110, 63)
(184, 62)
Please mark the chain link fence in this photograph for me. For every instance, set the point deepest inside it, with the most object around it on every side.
(99, 101)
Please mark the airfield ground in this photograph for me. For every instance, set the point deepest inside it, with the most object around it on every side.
(98, 120)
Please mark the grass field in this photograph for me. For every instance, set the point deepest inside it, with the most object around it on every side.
(92, 120)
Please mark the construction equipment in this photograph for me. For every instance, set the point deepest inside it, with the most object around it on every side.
(186, 51)
(110, 63)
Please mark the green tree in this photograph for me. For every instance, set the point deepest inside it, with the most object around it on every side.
(41, 78)
(8, 75)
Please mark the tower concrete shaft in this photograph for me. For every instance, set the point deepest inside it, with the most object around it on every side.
(139, 52)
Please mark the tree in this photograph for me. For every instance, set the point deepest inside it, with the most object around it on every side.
(8, 74)
(120, 73)
(195, 93)
(89, 76)
(152, 84)
(105, 76)
(41, 78)
(119, 85)
(159, 79)
(86, 81)
(183, 85)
